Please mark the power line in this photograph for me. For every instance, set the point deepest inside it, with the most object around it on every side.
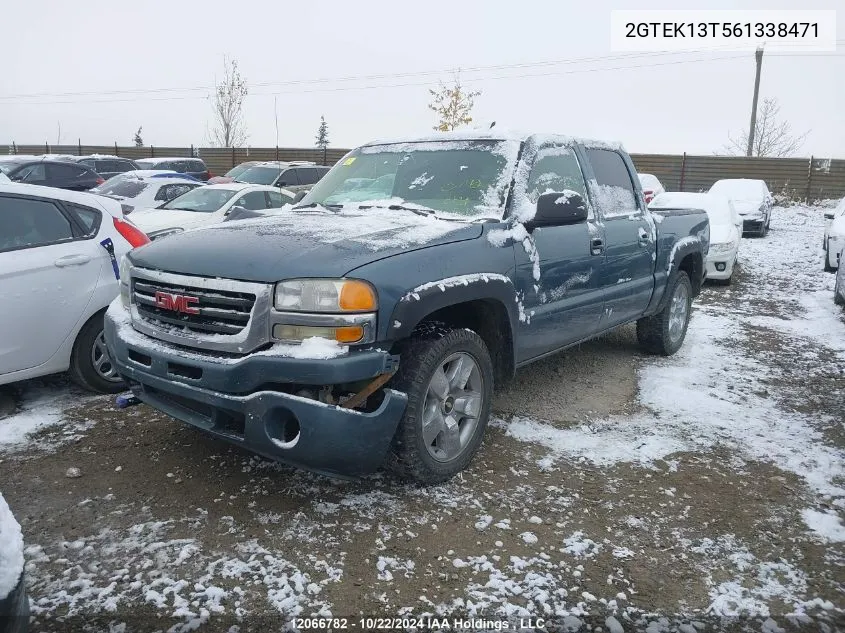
(470, 70)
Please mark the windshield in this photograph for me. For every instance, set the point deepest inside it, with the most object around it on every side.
(8, 165)
(122, 187)
(260, 175)
(201, 199)
(468, 178)
(237, 171)
(739, 189)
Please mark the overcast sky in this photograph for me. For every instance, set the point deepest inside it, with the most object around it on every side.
(662, 103)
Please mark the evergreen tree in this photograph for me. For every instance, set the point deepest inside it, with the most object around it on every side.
(323, 137)
(139, 142)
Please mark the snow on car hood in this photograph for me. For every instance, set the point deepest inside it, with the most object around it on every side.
(303, 243)
(159, 219)
(747, 207)
(11, 550)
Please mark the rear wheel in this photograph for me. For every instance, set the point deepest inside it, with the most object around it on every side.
(90, 365)
(664, 332)
(837, 292)
(448, 376)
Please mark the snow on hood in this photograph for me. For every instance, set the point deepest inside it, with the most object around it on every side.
(747, 207)
(11, 550)
(721, 234)
(158, 219)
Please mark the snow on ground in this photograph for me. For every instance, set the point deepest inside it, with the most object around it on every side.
(11, 550)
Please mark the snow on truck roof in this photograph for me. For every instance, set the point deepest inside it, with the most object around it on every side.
(497, 134)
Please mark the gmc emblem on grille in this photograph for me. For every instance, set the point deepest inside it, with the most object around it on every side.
(177, 303)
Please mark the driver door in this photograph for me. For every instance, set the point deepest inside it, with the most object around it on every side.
(565, 304)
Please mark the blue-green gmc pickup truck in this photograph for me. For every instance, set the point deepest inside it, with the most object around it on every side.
(367, 325)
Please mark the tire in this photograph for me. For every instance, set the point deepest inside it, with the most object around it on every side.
(662, 333)
(434, 457)
(764, 229)
(86, 358)
(837, 297)
(827, 267)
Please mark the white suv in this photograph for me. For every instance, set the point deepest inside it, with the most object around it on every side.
(59, 263)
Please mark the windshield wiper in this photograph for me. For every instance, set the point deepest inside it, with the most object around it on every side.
(314, 205)
(399, 207)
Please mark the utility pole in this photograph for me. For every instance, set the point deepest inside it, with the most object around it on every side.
(759, 55)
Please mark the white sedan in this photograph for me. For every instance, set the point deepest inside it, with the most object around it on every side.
(725, 227)
(834, 236)
(209, 204)
(59, 265)
(752, 201)
(135, 191)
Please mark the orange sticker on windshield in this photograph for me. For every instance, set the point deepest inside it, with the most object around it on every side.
(349, 161)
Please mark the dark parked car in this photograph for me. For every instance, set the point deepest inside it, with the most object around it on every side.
(195, 167)
(14, 603)
(61, 174)
(294, 175)
(369, 324)
(107, 166)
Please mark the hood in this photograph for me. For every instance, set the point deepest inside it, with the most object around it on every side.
(747, 207)
(150, 220)
(721, 234)
(307, 243)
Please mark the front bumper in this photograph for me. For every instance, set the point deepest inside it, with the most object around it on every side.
(235, 400)
(726, 262)
(753, 225)
(14, 610)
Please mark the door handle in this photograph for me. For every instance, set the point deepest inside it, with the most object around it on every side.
(72, 260)
(644, 238)
(597, 246)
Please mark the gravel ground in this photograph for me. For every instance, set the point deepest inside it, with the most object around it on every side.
(613, 492)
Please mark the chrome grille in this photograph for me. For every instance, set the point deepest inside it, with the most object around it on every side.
(231, 316)
(219, 312)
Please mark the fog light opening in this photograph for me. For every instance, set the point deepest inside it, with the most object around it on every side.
(720, 266)
(283, 430)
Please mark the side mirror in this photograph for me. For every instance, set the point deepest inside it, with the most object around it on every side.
(558, 209)
(299, 196)
(828, 215)
(281, 184)
(237, 210)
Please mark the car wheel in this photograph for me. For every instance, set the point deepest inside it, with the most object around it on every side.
(664, 333)
(764, 230)
(827, 267)
(837, 293)
(448, 377)
(90, 365)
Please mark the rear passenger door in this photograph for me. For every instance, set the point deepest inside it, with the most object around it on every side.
(307, 175)
(627, 277)
(565, 304)
(70, 176)
(287, 178)
(49, 268)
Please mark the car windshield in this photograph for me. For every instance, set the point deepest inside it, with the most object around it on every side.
(8, 165)
(739, 189)
(468, 178)
(260, 175)
(237, 171)
(202, 200)
(122, 187)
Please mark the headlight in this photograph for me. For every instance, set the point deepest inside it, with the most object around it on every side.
(164, 233)
(124, 281)
(721, 249)
(325, 295)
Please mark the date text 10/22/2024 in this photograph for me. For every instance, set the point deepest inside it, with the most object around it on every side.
(419, 624)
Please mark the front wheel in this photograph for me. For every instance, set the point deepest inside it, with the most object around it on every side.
(663, 333)
(827, 267)
(90, 365)
(448, 377)
(837, 292)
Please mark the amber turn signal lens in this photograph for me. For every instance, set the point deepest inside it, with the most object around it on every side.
(349, 334)
(357, 296)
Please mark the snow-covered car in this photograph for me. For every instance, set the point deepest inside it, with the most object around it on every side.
(725, 227)
(14, 604)
(59, 257)
(651, 186)
(752, 201)
(206, 205)
(839, 287)
(144, 192)
(834, 236)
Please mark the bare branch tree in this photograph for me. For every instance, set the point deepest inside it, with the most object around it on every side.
(452, 104)
(228, 128)
(772, 137)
